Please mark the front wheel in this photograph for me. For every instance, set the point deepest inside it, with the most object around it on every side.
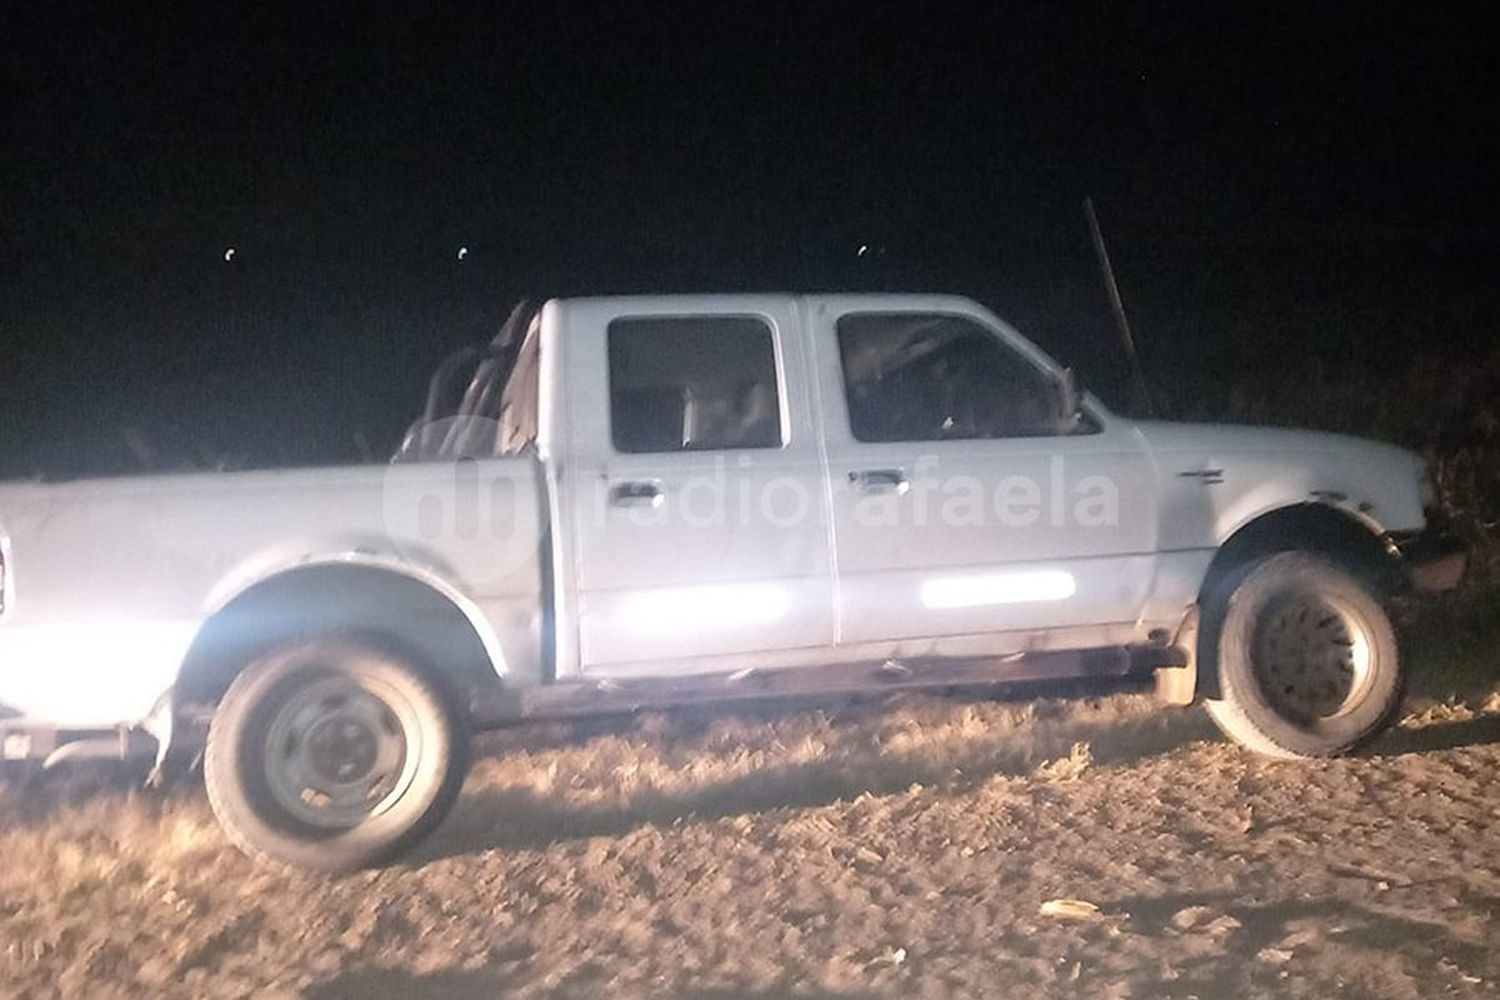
(332, 753)
(1306, 658)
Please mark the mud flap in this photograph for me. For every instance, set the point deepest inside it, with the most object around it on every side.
(1178, 685)
(160, 725)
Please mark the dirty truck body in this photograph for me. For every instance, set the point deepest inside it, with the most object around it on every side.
(661, 499)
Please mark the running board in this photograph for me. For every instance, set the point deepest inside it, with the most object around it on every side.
(607, 696)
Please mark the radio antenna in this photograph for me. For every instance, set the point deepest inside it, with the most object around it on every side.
(1117, 307)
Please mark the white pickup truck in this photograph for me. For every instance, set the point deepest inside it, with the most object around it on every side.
(653, 500)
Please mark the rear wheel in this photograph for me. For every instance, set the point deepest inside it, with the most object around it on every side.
(333, 753)
(1307, 664)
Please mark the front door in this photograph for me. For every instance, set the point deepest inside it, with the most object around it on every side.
(964, 501)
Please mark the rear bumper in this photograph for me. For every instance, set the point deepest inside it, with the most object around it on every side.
(1430, 561)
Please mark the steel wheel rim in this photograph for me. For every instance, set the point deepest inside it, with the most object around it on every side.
(1313, 658)
(340, 750)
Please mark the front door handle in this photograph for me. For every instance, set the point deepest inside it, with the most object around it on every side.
(880, 481)
(639, 494)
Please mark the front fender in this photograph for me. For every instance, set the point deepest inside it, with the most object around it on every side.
(1216, 479)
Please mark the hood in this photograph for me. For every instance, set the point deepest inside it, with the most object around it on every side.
(1166, 437)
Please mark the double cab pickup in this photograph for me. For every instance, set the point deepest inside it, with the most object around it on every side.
(646, 501)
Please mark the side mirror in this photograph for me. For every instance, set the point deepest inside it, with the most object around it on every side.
(1069, 402)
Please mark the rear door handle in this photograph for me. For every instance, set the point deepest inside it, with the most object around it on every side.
(638, 494)
(879, 481)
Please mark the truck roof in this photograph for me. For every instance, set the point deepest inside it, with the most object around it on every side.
(718, 302)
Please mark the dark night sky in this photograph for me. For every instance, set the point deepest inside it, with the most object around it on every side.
(1248, 159)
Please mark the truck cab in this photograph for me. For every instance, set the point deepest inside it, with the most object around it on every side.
(836, 478)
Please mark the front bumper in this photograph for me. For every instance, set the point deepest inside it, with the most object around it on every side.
(1430, 561)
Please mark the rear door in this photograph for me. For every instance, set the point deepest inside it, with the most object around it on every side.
(961, 505)
(695, 484)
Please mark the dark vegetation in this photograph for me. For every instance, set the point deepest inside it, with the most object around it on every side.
(1417, 366)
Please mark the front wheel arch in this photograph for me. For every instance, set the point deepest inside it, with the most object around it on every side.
(1312, 528)
(1305, 657)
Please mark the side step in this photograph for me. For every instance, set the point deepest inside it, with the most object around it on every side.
(606, 695)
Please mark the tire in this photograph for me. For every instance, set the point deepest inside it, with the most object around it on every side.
(333, 753)
(1304, 655)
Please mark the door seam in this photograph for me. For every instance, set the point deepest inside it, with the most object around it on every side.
(813, 360)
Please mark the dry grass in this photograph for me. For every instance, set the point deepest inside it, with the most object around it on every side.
(897, 847)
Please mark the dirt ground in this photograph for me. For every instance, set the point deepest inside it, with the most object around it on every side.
(900, 847)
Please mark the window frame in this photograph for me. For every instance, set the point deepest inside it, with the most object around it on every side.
(1024, 350)
(778, 363)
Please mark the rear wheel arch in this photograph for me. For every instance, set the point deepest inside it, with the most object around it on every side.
(405, 611)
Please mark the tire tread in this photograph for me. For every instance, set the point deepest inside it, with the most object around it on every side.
(1231, 713)
(236, 814)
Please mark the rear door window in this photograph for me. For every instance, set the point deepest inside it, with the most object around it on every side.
(691, 383)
